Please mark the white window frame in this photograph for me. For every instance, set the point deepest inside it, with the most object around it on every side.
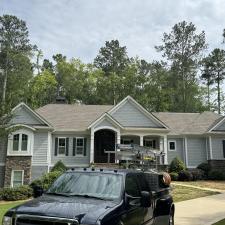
(150, 139)
(12, 176)
(79, 146)
(175, 145)
(61, 154)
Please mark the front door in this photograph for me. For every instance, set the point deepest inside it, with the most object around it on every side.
(104, 141)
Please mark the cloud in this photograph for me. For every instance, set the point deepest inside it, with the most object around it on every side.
(78, 28)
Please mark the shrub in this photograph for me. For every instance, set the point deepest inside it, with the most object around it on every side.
(174, 176)
(46, 180)
(198, 174)
(204, 167)
(176, 165)
(1, 194)
(216, 175)
(185, 175)
(59, 167)
(17, 193)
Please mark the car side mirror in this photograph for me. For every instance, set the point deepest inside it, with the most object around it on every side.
(145, 199)
(37, 191)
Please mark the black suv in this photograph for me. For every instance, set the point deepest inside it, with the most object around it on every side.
(101, 197)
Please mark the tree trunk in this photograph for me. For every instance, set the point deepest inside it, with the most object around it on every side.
(5, 80)
(208, 97)
(218, 91)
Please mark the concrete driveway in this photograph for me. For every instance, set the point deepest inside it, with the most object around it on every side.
(200, 211)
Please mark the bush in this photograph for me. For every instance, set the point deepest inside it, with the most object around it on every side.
(59, 167)
(176, 165)
(17, 193)
(198, 174)
(185, 175)
(216, 175)
(46, 180)
(174, 176)
(204, 167)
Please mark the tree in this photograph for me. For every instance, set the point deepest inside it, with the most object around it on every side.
(182, 47)
(112, 58)
(216, 66)
(14, 42)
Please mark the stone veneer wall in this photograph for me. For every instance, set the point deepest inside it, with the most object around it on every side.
(217, 164)
(17, 163)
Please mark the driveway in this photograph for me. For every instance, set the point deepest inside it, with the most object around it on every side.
(200, 211)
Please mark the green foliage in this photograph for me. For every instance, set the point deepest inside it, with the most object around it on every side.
(15, 194)
(59, 166)
(176, 165)
(185, 175)
(217, 175)
(205, 167)
(174, 176)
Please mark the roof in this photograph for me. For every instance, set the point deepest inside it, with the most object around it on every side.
(72, 117)
(188, 123)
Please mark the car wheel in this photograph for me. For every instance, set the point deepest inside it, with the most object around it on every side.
(171, 219)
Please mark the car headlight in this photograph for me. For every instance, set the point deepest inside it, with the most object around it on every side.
(7, 220)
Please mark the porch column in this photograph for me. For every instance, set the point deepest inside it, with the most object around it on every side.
(161, 143)
(118, 138)
(92, 146)
(141, 140)
(165, 149)
(210, 148)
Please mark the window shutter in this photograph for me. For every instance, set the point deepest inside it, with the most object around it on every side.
(224, 148)
(74, 146)
(85, 146)
(67, 146)
(56, 146)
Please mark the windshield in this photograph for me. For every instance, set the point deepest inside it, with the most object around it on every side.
(103, 186)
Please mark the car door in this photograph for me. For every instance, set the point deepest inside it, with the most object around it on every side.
(133, 214)
(147, 212)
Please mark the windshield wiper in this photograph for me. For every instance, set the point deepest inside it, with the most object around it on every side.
(88, 196)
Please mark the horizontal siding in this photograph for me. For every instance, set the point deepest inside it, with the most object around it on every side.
(105, 123)
(196, 150)
(70, 159)
(2, 175)
(38, 171)
(217, 147)
(40, 148)
(3, 150)
(221, 127)
(129, 116)
(22, 116)
(179, 150)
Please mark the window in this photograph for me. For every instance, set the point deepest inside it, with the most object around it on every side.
(20, 142)
(61, 146)
(172, 145)
(150, 143)
(17, 178)
(127, 141)
(80, 146)
(131, 186)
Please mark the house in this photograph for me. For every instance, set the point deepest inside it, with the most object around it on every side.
(81, 134)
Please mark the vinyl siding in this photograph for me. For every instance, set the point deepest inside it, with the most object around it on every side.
(221, 127)
(40, 148)
(129, 116)
(38, 171)
(71, 160)
(217, 147)
(179, 150)
(105, 123)
(196, 150)
(3, 150)
(23, 116)
(2, 175)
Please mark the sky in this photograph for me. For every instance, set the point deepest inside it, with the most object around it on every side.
(78, 28)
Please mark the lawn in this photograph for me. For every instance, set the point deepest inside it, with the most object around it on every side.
(181, 193)
(220, 185)
(5, 206)
(222, 222)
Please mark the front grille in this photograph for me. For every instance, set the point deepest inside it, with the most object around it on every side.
(39, 220)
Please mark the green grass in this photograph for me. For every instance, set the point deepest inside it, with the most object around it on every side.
(181, 193)
(6, 206)
(222, 222)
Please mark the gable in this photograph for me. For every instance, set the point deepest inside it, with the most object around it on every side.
(21, 115)
(105, 122)
(220, 126)
(129, 115)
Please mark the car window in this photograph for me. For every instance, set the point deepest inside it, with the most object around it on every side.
(131, 186)
(142, 182)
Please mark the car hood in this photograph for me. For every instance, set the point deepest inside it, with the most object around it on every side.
(83, 209)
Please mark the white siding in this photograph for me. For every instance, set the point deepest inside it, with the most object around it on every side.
(129, 116)
(38, 171)
(105, 123)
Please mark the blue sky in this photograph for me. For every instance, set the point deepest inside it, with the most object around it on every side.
(78, 28)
